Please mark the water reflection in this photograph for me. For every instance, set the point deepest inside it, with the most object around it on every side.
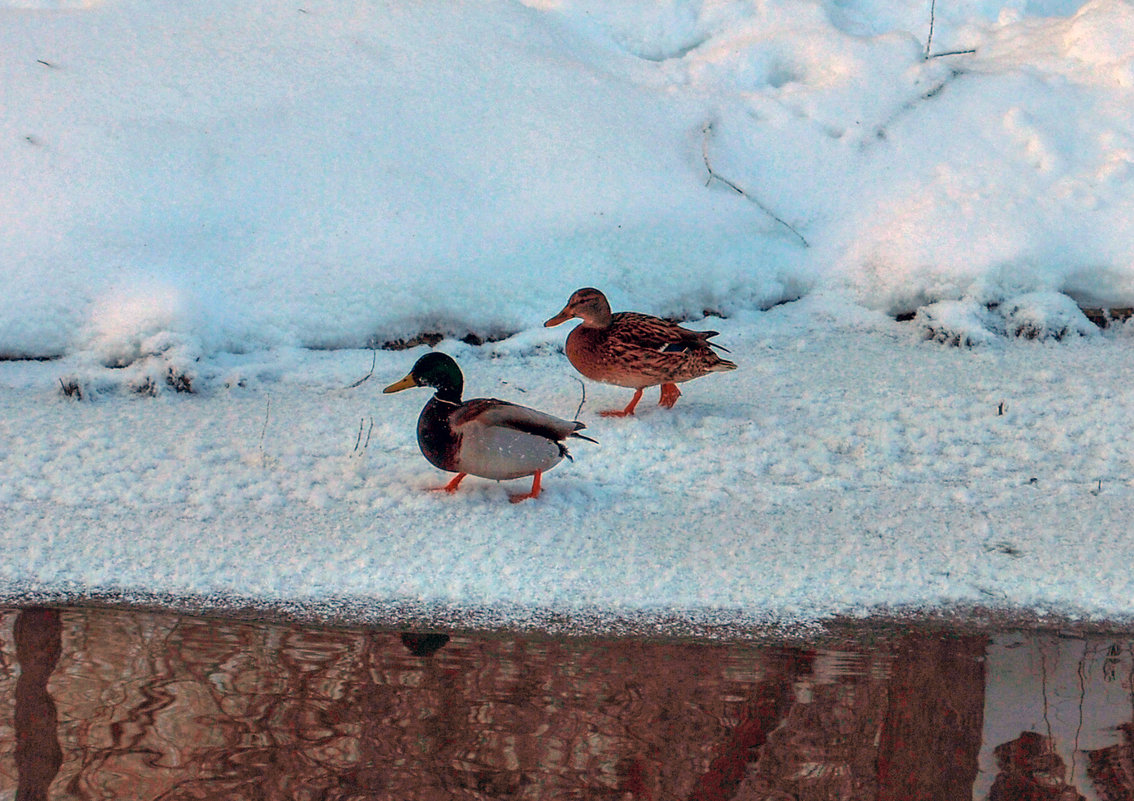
(1058, 714)
(108, 705)
(36, 634)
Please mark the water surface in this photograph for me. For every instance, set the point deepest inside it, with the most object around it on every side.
(102, 704)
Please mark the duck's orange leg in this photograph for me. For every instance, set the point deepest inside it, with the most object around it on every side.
(669, 395)
(533, 494)
(451, 486)
(629, 410)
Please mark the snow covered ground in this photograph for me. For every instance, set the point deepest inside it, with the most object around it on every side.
(243, 202)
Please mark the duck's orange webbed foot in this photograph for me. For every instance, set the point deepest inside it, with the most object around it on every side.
(669, 395)
(451, 486)
(629, 410)
(533, 494)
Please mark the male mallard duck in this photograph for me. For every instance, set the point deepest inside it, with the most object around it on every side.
(635, 350)
(484, 437)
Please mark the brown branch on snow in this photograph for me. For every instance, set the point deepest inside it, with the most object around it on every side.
(953, 53)
(715, 176)
(583, 399)
(263, 433)
(929, 38)
(359, 445)
(932, 15)
(365, 378)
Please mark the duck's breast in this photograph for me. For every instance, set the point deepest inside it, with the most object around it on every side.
(439, 444)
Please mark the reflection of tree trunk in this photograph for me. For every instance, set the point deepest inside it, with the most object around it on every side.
(726, 771)
(769, 705)
(38, 636)
(932, 732)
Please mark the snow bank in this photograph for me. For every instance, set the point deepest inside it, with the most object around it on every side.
(336, 174)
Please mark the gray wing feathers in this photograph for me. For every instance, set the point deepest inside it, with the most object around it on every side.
(511, 415)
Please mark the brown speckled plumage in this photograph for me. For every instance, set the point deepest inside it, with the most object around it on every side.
(635, 350)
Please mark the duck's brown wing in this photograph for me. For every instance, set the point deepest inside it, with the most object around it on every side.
(655, 334)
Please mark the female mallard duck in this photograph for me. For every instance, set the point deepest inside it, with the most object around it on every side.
(484, 437)
(635, 350)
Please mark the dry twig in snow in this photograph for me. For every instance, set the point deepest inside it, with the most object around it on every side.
(715, 176)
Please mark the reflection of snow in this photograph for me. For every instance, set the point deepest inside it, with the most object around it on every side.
(1074, 692)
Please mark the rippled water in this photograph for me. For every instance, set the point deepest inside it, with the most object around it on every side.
(104, 704)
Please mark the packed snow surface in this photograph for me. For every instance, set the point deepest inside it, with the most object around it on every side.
(216, 217)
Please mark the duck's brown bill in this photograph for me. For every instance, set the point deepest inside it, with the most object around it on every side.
(398, 386)
(562, 317)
